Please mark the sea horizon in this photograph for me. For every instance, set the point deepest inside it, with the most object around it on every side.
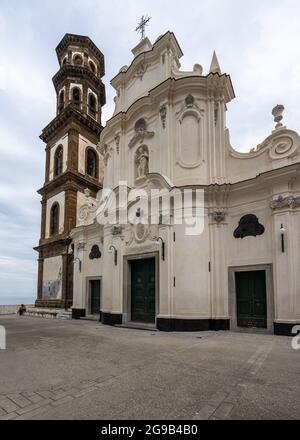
(16, 300)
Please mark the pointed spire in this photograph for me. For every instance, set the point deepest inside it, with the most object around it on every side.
(214, 65)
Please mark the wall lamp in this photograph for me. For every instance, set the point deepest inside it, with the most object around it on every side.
(112, 248)
(282, 232)
(157, 241)
(79, 263)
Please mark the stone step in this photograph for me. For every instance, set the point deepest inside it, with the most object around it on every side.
(48, 313)
(64, 314)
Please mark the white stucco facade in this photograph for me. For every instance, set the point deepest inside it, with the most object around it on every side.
(168, 131)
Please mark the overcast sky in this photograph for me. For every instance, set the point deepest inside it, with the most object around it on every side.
(257, 43)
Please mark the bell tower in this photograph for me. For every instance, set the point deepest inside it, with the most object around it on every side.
(72, 163)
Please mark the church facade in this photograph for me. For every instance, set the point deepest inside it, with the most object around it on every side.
(167, 135)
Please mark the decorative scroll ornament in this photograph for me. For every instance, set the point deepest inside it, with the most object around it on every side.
(216, 112)
(249, 226)
(141, 132)
(285, 202)
(106, 151)
(140, 71)
(81, 246)
(116, 230)
(95, 252)
(281, 144)
(163, 115)
(189, 103)
(87, 211)
(218, 216)
(139, 233)
(117, 141)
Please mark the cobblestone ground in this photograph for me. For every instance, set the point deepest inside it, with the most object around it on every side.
(83, 370)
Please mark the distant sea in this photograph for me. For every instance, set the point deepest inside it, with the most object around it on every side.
(15, 300)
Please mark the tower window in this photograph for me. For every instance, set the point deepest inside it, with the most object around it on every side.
(78, 60)
(76, 95)
(91, 163)
(61, 101)
(58, 161)
(64, 61)
(92, 105)
(54, 219)
(92, 66)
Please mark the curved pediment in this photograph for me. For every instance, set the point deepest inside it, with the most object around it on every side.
(281, 144)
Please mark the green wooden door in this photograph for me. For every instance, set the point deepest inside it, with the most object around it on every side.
(251, 299)
(95, 296)
(143, 290)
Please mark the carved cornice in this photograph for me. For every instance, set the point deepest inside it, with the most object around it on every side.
(281, 202)
(69, 114)
(70, 180)
(219, 86)
(164, 90)
(81, 72)
(55, 244)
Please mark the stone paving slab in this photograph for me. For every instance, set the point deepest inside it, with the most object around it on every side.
(84, 370)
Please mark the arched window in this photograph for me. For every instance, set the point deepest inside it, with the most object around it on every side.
(92, 105)
(78, 60)
(58, 161)
(92, 66)
(76, 96)
(61, 100)
(54, 219)
(91, 163)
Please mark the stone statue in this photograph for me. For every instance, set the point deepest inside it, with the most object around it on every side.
(142, 162)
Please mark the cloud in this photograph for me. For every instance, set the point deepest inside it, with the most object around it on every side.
(257, 47)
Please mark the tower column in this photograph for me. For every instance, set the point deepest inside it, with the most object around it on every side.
(73, 144)
(40, 278)
(67, 138)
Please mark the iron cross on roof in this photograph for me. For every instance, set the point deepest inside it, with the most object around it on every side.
(141, 25)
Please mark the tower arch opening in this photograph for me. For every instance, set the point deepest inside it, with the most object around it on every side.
(91, 163)
(54, 219)
(58, 161)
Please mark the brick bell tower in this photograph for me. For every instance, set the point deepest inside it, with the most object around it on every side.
(72, 163)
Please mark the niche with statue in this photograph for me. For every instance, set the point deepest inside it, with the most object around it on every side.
(141, 162)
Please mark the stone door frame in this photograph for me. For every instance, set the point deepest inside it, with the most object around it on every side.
(127, 283)
(268, 268)
(88, 293)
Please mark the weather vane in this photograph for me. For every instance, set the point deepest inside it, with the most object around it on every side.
(141, 25)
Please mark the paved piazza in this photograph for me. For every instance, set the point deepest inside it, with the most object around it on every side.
(83, 370)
